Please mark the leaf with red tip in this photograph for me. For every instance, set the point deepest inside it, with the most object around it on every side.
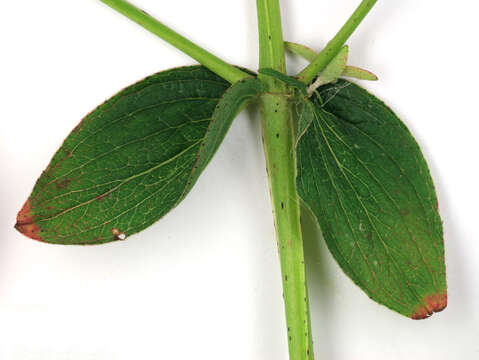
(134, 158)
(25, 223)
(365, 179)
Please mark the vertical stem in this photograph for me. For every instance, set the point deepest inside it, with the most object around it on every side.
(333, 47)
(280, 154)
(212, 62)
(278, 139)
(271, 44)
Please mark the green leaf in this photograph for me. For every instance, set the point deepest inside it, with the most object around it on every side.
(133, 158)
(309, 54)
(301, 50)
(365, 179)
(288, 80)
(358, 73)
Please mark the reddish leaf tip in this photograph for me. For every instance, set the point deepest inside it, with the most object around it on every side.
(25, 224)
(434, 303)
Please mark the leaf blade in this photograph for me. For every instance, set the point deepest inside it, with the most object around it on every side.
(128, 162)
(364, 177)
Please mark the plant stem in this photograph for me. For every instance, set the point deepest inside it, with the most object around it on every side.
(278, 139)
(333, 47)
(280, 154)
(212, 62)
(271, 45)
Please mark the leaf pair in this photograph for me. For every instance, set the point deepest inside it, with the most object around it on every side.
(133, 158)
(360, 171)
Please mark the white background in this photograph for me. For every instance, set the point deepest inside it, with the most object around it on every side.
(204, 282)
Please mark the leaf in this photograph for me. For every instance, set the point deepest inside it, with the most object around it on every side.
(349, 71)
(358, 73)
(365, 179)
(301, 50)
(288, 80)
(133, 158)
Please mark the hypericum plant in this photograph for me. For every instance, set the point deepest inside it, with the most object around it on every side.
(327, 141)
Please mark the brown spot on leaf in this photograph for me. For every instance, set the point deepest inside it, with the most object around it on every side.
(434, 303)
(25, 223)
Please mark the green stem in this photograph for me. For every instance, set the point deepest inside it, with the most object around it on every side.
(278, 139)
(215, 64)
(271, 44)
(280, 154)
(333, 47)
